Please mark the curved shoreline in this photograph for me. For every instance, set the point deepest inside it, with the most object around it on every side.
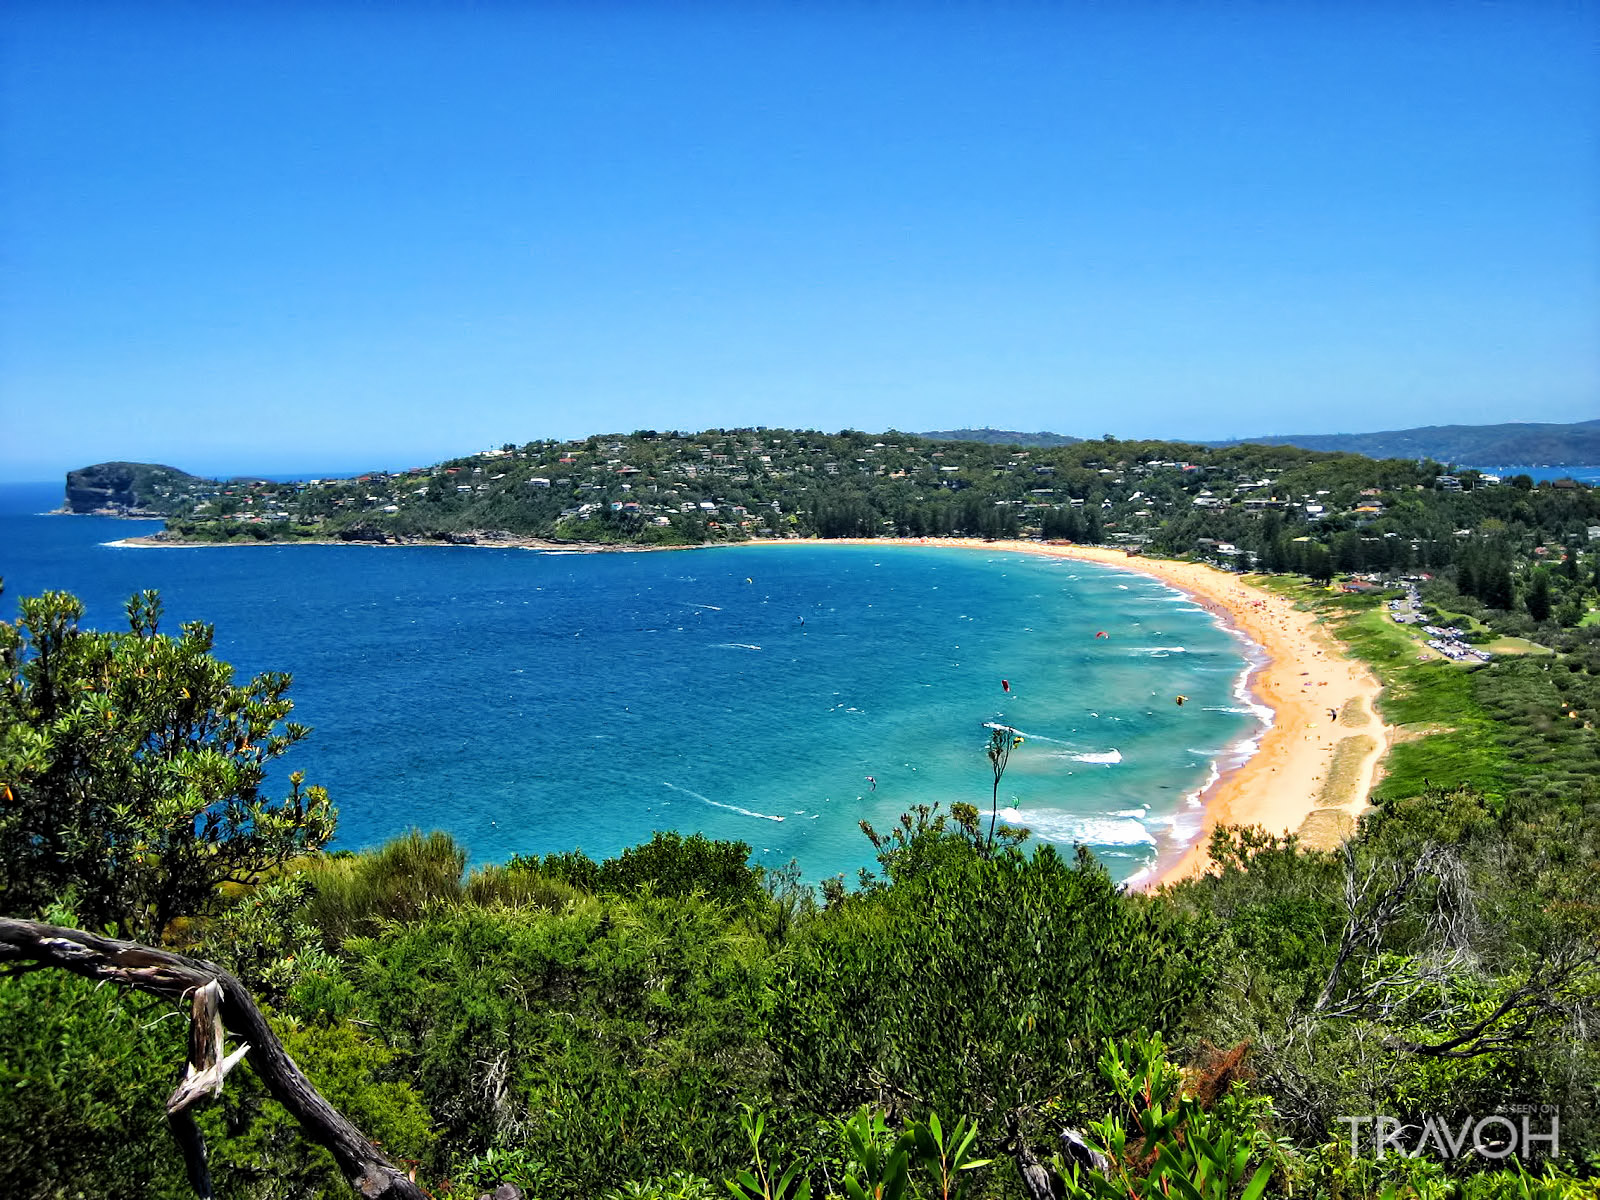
(1305, 674)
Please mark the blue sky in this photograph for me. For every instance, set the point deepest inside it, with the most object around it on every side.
(270, 237)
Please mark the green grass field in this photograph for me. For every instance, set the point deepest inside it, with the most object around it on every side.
(1444, 737)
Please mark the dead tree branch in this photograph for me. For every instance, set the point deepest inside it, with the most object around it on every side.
(229, 1007)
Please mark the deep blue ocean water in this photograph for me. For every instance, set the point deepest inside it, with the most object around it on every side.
(530, 702)
(1589, 475)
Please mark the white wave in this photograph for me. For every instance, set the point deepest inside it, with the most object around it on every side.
(1107, 757)
(712, 607)
(1107, 829)
(744, 812)
(1158, 651)
(737, 646)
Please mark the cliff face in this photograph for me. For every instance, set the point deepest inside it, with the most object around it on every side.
(125, 486)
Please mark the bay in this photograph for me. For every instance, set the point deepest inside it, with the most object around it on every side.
(530, 702)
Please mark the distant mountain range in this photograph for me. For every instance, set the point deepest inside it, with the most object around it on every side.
(1511, 444)
(1514, 443)
(1001, 437)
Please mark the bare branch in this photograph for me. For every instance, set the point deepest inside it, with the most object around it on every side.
(229, 1007)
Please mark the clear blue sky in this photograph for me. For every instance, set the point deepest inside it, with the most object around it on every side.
(267, 237)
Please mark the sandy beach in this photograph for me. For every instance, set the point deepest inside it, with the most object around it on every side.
(1316, 765)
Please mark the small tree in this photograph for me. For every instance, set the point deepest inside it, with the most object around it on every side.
(1538, 599)
(1002, 741)
(131, 768)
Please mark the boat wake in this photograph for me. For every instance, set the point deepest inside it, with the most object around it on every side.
(743, 812)
(1023, 733)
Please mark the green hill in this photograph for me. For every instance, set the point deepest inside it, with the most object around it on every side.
(130, 488)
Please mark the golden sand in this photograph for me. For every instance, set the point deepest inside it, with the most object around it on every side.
(1307, 773)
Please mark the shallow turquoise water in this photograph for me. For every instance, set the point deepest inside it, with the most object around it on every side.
(530, 702)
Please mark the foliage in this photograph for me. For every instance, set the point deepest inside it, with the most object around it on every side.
(132, 767)
(976, 982)
(267, 939)
(402, 880)
(1161, 1142)
(264, 1153)
(875, 1161)
(1285, 508)
(669, 864)
(677, 1186)
(601, 1040)
(568, 1024)
(1432, 967)
(85, 1072)
(759, 1184)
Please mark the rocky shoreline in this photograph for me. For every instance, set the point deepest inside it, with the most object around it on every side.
(366, 536)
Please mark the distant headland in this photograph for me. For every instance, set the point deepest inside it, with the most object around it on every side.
(1271, 506)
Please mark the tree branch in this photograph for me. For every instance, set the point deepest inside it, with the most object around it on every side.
(177, 978)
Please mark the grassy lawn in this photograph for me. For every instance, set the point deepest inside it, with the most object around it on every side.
(1515, 645)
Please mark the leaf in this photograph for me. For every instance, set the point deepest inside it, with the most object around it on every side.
(1173, 1172)
(801, 1193)
(1258, 1184)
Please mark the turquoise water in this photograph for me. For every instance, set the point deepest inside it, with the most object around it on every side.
(530, 702)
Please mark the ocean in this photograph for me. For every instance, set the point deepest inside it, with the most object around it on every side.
(530, 701)
(1589, 475)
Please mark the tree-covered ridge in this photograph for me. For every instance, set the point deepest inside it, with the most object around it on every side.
(1521, 442)
(671, 488)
